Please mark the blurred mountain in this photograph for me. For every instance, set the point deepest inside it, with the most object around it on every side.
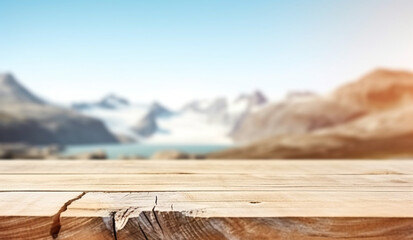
(297, 114)
(227, 111)
(147, 125)
(256, 98)
(377, 91)
(369, 118)
(27, 118)
(202, 121)
(156, 109)
(133, 121)
(11, 91)
(110, 101)
(17, 130)
(208, 120)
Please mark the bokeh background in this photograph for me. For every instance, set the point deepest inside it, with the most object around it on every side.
(206, 79)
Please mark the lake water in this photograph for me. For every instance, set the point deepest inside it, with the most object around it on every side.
(146, 150)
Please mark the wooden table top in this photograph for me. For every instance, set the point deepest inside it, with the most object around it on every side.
(206, 199)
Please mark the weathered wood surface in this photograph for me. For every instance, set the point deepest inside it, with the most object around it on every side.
(206, 199)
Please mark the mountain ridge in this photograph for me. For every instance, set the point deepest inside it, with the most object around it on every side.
(155, 122)
(110, 101)
(383, 100)
(11, 91)
(51, 124)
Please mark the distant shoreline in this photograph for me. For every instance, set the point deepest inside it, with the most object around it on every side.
(114, 151)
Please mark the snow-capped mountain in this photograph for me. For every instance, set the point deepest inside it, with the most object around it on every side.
(147, 125)
(200, 121)
(226, 111)
(135, 121)
(253, 100)
(208, 120)
(110, 101)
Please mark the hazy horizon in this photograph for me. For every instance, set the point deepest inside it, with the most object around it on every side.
(178, 51)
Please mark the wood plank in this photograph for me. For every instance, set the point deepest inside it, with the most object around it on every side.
(248, 204)
(206, 199)
(201, 182)
(32, 215)
(276, 167)
(244, 215)
(210, 215)
(174, 225)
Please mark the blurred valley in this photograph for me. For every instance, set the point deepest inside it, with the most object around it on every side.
(368, 118)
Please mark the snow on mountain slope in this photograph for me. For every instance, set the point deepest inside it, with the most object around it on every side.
(119, 120)
(190, 127)
(110, 101)
(207, 120)
(201, 121)
(227, 111)
(135, 121)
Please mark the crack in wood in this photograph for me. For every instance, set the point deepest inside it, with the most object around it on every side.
(56, 225)
(156, 215)
(120, 219)
(157, 220)
(143, 232)
(115, 236)
(147, 219)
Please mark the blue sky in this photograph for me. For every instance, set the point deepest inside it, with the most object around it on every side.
(175, 51)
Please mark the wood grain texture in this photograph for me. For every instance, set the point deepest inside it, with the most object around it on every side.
(206, 199)
(171, 225)
(202, 182)
(283, 167)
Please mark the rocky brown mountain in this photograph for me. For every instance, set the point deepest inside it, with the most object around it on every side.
(369, 118)
(294, 116)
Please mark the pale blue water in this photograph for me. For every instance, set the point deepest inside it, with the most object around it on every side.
(146, 150)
